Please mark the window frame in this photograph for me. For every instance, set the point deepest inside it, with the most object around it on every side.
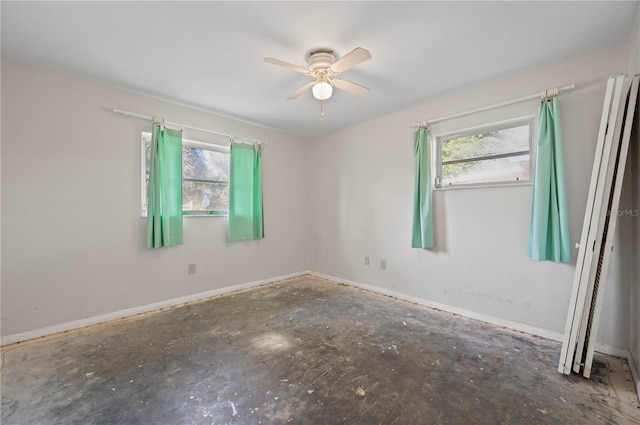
(439, 139)
(185, 143)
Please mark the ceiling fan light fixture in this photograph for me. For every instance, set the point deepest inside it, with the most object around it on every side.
(322, 90)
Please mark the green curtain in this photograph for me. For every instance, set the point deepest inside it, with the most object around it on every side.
(164, 194)
(549, 229)
(245, 193)
(422, 199)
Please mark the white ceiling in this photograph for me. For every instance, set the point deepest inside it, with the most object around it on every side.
(209, 54)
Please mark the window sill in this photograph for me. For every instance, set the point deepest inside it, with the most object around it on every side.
(482, 185)
(196, 214)
(204, 213)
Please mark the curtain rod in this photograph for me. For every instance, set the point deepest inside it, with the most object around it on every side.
(148, 118)
(494, 106)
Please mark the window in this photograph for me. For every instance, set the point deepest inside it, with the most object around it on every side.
(205, 177)
(488, 155)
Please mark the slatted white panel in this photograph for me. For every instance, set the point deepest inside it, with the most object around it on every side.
(598, 228)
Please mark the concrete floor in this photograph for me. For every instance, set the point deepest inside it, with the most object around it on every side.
(303, 351)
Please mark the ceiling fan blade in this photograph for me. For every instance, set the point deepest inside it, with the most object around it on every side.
(287, 65)
(301, 90)
(349, 87)
(354, 57)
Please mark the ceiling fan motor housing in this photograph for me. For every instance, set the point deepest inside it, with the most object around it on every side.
(320, 61)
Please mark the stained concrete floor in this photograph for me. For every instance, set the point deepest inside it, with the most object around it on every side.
(302, 351)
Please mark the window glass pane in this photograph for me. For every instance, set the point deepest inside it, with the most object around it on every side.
(205, 196)
(488, 155)
(209, 189)
(205, 164)
(147, 156)
(514, 168)
(484, 144)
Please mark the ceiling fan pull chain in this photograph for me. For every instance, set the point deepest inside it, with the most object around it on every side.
(321, 109)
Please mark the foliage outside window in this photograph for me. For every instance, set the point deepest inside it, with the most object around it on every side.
(489, 155)
(205, 177)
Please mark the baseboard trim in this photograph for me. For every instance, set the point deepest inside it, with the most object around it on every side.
(121, 314)
(532, 330)
(611, 350)
(608, 349)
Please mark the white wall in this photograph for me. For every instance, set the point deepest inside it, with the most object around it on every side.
(633, 222)
(72, 238)
(73, 243)
(362, 181)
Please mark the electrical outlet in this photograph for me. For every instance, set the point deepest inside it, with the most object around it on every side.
(191, 269)
(367, 261)
(383, 264)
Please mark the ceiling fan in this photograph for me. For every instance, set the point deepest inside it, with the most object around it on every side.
(323, 66)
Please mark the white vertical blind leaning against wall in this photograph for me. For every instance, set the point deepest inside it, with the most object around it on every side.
(599, 224)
